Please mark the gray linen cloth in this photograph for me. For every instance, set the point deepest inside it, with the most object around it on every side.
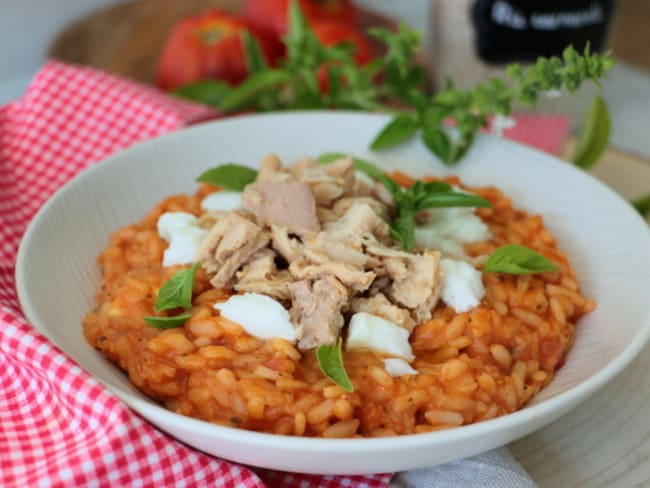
(492, 469)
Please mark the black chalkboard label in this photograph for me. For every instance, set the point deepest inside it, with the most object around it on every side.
(522, 30)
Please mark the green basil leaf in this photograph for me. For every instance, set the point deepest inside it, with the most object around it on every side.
(330, 157)
(436, 186)
(450, 199)
(167, 322)
(400, 129)
(594, 136)
(255, 85)
(460, 149)
(231, 176)
(298, 26)
(177, 291)
(365, 167)
(333, 82)
(419, 191)
(642, 205)
(433, 116)
(403, 229)
(255, 60)
(330, 362)
(208, 92)
(377, 174)
(438, 142)
(516, 259)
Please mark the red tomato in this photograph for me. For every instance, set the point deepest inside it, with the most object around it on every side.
(272, 15)
(331, 32)
(206, 46)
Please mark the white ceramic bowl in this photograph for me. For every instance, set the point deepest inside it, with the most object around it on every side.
(607, 242)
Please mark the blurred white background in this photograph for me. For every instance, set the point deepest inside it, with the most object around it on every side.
(28, 26)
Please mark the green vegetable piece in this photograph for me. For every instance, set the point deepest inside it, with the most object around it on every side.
(436, 186)
(231, 176)
(245, 94)
(403, 229)
(400, 129)
(330, 157)
(377, 174)
(330, 362)
(438, 143)
(208, 92)
(255, 60)
(167, 322)
(450, 199)
(642, 205)
(516, 259)
(177, 291)
(298, 26)
(594, 136)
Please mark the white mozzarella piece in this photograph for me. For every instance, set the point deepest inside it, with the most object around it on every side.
(368, 331)
(181, 230)
(398, 367)
(260, 315)
(462, 287)
(222, 200)
(449, 228)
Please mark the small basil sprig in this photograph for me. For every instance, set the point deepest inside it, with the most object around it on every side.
(231, 176)
(176, 292)
(516, 259)
(411, 201)
(470, 109)
(330, 362)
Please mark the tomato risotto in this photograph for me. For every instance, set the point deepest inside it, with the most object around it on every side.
(331, 300)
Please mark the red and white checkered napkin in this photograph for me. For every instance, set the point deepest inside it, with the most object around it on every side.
(58, 426)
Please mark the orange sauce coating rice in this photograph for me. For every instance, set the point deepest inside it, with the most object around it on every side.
(471, 366)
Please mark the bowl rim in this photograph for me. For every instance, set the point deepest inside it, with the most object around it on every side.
(528, 413)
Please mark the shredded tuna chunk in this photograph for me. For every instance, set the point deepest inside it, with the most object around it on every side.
(271, 170)
(229, 244)
(416, 278)
(327, 181)
(316, 238)
(317, 310)
(289, 248)
(359, 221)
(289, 204)
(341, 206)
(380, 306)
(322, 250)
(260, 275)
(346, 274)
